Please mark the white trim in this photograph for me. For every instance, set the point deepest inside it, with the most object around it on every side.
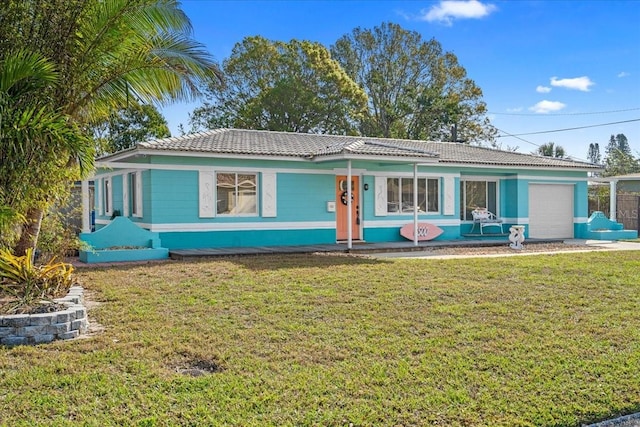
(86, 220)
(550, 179)
(401, 222)
(512, 167)
(206, 194)
(269, 195)
(108, 208)
(125, 194)
(507, 220)
(139, 198)
(128, 167)
(241, 226)
(430, 175)
(98, 195)
(260, 226)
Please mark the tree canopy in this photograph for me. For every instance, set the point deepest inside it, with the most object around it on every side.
(128, 126)
(550, 149)
(618, 157)
(279, 86)
(415, 89)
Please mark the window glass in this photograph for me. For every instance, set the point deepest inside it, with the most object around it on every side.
(393, 194)
(107, 195)
(236, 194)
(433, 197)
(133, 191)
(407, 195)
(477, 194)
(400, 195)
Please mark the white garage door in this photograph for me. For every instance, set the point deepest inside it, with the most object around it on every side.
(550, 211)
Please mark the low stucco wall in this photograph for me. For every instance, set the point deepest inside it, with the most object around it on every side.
(20, 329)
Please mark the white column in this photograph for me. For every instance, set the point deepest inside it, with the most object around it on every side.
(415, 204)
(612, 200)
(86, 224)
(349, 215)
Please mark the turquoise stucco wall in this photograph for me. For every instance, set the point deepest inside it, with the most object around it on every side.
(171, 198)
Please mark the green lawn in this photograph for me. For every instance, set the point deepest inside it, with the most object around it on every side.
(329, 340)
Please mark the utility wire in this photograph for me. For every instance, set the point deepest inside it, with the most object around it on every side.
(538, 145)
(568, 129)
(565, 114)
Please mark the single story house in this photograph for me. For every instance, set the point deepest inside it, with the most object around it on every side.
(235, 188)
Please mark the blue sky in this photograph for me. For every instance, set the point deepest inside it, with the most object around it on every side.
(542, 65)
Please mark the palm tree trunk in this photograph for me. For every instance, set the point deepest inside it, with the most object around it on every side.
(30, 231)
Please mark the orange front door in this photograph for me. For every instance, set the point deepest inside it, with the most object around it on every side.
(342, 224)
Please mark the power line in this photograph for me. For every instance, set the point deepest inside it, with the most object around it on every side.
(564, 114)
(568, 129)
(537, 145)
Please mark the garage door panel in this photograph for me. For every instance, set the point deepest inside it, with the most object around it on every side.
(550, 211)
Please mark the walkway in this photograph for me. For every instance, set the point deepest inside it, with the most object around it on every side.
(358, 248)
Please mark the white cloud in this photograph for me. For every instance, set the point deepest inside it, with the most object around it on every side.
(578, 83)
(623, 74)
(448, 10)
(544, 107)
(543, 89)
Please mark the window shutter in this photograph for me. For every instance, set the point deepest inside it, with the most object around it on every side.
(125, 194)
(380, 185)
(269, 193)
(449, 195)
(206, 191)
(138, 194)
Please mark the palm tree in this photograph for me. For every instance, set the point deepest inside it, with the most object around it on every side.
(550, 149)
(29, 131)
(108, 53)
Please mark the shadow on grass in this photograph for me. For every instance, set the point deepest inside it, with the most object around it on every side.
(292, 261)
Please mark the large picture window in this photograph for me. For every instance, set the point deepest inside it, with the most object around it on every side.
(400, 195)
(236, 194)
(477, 194)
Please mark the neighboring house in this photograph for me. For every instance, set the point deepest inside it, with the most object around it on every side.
(624, 198)
(233, 188)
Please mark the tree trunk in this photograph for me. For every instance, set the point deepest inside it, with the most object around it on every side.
(30, 232)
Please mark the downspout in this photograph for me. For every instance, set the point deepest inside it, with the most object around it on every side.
(349, 215)
(415, 204)
(612, 199)
(86, 224)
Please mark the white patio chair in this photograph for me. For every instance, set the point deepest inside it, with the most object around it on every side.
(483, 218)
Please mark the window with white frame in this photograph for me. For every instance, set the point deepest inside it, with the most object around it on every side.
(135, 192)
(107, 195)
(477, 194)
(400, 195)
(236, 194)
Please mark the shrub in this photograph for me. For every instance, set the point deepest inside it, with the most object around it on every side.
(26, 284)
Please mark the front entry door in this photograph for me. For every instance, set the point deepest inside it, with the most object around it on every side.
(341, 208)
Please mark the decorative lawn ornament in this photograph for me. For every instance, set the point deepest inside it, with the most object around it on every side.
(516, 237)
(426, 231)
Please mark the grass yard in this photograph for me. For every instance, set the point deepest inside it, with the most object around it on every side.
(329, 340)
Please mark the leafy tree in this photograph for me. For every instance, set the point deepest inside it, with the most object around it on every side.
(619, 160)
(550, 149)
(415, 90)
(107, 53)
(128, 126)
(273, 85)
(594, 155)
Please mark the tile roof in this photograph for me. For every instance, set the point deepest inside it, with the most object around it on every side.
(316, 146)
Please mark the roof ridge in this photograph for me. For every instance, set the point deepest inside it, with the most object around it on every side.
(414, 149)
